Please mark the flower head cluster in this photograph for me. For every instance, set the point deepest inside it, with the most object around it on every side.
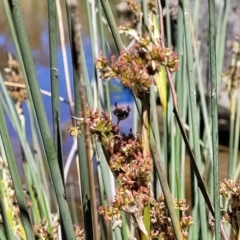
(126, 160)
(151, 6)
(10, 200)
(132, 169)
(161, 226)
(79, 233)
(14, 77)
(232, 75)
(231, 191)
(136, 67)
(135, 9)
(41, 230)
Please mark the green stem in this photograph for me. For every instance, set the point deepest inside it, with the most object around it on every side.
(42, 120)
(6, 224)
(213, 78)
(52, 26)
(15, 177)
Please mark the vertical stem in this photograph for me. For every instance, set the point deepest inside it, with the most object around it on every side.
(57, 138)
(213, 77)
(54, 81)
(64, 54)
(76, 35)
(8, 229)
(180, 90)
(15, 177)
(112, 25)
(42, 119)
(145, 140)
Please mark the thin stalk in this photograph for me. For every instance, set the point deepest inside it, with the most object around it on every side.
(5, 221)
(145, 13)
(57, 137)
(100, 93)
(145, 116)
(15, 177)
(83, 182)
(38, 155)
(26, 163)
(180, 82)
(91, 26)
(168, 24)
(221, 38)
(163, 94)
(73, 200)
(42, 177)
(173, 166)
(76, 34)
(183, 106)
(231, 134)
(64, 54)
(196, 16)
(42, 119)
(33, 195)
(214, 115)
(81, 144)
(103, 48)
(105, 225)
(191, 83)
(112, 25)
(236, 138)
(165, 188)
(155, 118)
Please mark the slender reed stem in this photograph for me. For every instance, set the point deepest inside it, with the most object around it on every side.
(213, 78)
(76, 35)
(42, 119)
(6, 223)
(145, 116)
(112, 25)
(15, 177)
(54, 82)
(64, 54)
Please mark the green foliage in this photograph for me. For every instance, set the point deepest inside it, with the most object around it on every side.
(144, 186)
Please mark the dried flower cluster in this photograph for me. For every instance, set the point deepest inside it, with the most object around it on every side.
(10, 201)
(136, 67)
(134, 10)
(231, 191)
(125, 155)
(14, 77)
(41, 230)
(132, 171)
(79, 233)
(232, 75)
(161, 224)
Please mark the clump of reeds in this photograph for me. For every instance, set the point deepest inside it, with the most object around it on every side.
(141, 174)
